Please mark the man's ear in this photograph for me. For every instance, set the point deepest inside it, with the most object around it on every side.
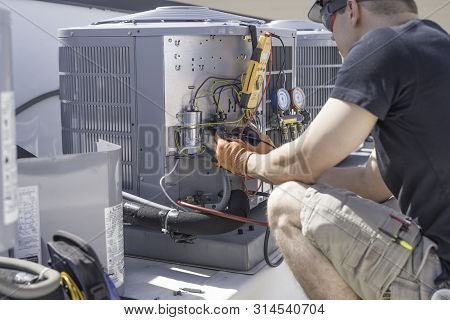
(354, 11)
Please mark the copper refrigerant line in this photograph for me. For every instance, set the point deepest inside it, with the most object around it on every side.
(223, 214)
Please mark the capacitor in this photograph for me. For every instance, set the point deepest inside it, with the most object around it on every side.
(281, 100)
(191, 132)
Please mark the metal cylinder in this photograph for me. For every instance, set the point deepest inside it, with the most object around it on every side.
(293, 131)
(8, 166)
(191, 132)
(300, 129)
(284, 133)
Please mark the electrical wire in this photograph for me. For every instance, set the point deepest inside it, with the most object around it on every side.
(251, 193)
(213, 123)
(266, 252)
(72, 288)
(36, 100)
(283, 64)
(161, 184)
(219, 94)
(203, 83)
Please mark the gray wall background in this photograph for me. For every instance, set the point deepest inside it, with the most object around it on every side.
(436, 10)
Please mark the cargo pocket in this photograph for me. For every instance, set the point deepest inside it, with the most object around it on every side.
(356, 251)
(404, 289)
(366, 260)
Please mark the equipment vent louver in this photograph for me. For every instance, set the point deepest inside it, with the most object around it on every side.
(318, 64)
(96, 101)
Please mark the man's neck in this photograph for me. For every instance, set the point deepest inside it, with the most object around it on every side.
(386, 21)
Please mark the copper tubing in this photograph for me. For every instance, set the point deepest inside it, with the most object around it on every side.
(223, 214)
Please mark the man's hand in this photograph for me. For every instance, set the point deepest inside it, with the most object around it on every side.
(232, 155)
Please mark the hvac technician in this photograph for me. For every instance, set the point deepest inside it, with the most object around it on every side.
(336, 237)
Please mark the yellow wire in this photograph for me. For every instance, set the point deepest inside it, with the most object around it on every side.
(74, 291)
(211, 91)
(206, 93)
(213, 123)
(228, 82)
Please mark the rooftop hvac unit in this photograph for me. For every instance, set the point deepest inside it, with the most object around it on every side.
(131, 81)
(160, 83)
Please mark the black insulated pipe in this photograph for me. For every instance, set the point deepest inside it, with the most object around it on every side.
(189, 223)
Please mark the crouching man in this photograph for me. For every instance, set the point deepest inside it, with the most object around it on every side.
(338, 239)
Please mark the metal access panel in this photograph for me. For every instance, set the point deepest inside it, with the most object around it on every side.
(317, 64)
(127, 82)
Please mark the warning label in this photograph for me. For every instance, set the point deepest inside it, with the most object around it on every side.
(114, 243)
(28, 228)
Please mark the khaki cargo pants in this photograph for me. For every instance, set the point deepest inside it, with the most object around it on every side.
(346, 228)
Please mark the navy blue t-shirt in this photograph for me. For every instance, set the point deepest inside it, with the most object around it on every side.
(401, 74)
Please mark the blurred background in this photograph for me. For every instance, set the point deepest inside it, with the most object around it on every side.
(436, 10)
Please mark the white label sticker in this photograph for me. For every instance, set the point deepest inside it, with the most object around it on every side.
(8, 157)
(28, 227)
(114, 243)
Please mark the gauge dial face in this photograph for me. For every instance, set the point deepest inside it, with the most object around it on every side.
(298, 98)
(283, 99)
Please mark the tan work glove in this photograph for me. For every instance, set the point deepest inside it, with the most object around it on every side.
(232, 155)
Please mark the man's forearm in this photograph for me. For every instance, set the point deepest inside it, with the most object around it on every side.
(286, 163)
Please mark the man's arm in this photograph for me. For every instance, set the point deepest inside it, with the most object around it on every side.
(338, 130)
(364, 181)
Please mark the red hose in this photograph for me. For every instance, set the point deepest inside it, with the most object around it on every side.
(223, 214)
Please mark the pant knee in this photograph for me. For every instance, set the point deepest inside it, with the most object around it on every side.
(285, 203)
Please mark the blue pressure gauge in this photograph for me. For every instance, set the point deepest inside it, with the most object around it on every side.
(281, 100)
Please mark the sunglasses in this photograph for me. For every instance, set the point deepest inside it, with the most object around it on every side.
(326, 13)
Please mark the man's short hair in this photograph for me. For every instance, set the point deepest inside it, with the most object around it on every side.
(390, 7)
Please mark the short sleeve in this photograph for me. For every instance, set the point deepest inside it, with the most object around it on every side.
(377, 74)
